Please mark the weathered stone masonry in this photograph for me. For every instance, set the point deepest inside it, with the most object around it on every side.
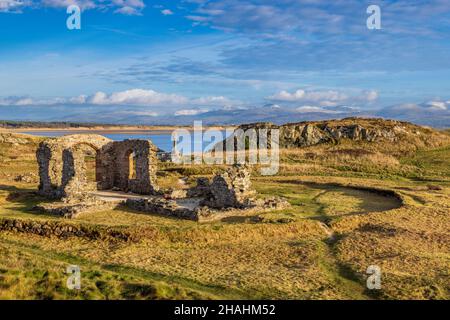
(131, 166)
(145, 163)
(62, 169)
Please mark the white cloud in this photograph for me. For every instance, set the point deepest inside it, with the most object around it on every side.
(127, 7)
(29, 101)
(308, 109)
(324, 98)
(24, 102)
(136, 97)
(130, 3)
(98, 98)
(132, 97)
(197, 18)
(302, 95)
(431, 106)
(128, 11)
(83, 4)
(372, 95)
(327, 103)
(16, 101)
(142, 113)
(78, 100)
(167, 12)
(11, 5)
(214, 101)
(190, 112)
(438, 105)
(406, 107)
(286, 96)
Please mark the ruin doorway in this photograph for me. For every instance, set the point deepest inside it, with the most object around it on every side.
(86, 162)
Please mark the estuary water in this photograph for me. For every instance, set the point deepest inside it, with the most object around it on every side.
(162, 139)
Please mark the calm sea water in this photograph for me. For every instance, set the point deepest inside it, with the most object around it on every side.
(162, 140)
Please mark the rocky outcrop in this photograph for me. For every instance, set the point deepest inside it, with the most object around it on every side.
(306, 134)
(17, 138)
(303, 135)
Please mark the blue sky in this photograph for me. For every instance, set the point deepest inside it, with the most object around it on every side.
(187, 57)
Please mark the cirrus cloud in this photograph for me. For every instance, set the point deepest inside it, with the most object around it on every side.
(12, 5)
(315, 16)
(127, 7)
(167, 12)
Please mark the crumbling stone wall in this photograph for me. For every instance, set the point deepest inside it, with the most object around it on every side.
(145, 160)
(62, 168)
(202, 189)
(168, 208)
(231, 189)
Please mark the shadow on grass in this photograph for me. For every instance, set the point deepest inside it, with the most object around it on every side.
(24, 199)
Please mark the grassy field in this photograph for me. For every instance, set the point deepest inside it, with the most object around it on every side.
(319, 248)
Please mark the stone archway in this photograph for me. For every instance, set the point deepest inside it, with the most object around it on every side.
(63, 174)
(61, 169)
(143, 179)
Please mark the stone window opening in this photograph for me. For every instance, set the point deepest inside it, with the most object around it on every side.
(132, 175)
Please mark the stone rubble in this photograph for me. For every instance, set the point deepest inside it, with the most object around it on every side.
(161, 206)
(27, 178)
(72, 207)
(63, 176)
(231, 189)
(202, 189)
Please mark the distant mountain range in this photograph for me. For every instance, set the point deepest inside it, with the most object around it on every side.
(434, 114)
(429, 114)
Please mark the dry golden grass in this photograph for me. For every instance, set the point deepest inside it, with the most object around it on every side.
(27, 272)
(318, 249)
(411, 244)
